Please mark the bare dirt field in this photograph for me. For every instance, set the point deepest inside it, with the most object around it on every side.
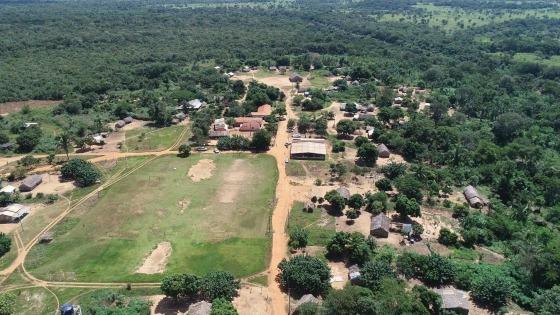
(52, 184)
(252, 300)
(202, 170)
(156, 261)
(135, 124)
(339, 274)
(12, 107)
(362, 224)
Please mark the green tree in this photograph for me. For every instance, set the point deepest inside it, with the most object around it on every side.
(5, 244)
(261, 140)
(298, 237)
(410, 187)
(492, 291)
(29, 139)
(338, 146)
(7, 303)
(346, 127)
(184, 150)
(368, 154)
(172, 285)
(336, 201)
(304, 274)
(83, 172)
(431, 300)
(384, 184)
(4, 138)
(447, 238)
(159, 114)
(406, 207)
(356, 201)
(359, 140)
(508, 126)
(373, 272)
(64, 142)
(223, 307)
(308, 308)
(219, 284)
(351, 300)
(437, 270)
(548, 302)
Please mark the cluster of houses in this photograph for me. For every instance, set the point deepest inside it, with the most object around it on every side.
(15, 212)
(244, 126)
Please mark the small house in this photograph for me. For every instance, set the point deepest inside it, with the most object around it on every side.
(13, 213)
(473, 198)
(200, 308)
(308, 150)
(380, 225)
(398, 100)
(454, 300)
(220, 124)
(180, 116)
(282, 69)
(230, 74)
(308, 298)
(344, 192)
(245, 69)
(238, 121)
(128, 120)
(46, 237)
(30, 182)
(215, 134)
(354, 274)
(250, 126)
(98, 139)
(119, 124)
(296, 78)
(8, 189)
(195, 104)
(272, 68)
(370, 130)
(383, 151)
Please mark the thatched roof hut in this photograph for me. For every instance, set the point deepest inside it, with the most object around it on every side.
(472, 196)
(454, 300)
(383, 151)
(46, 237)
(128, 120)
(380, 225)
(296, 78)
(120, 124)
(200, 308)
(308, 298)
(344, 192)
(354, 273)
(30, 182)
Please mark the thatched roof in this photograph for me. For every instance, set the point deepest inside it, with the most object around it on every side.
(308, 298)
(383, 151)
(344, 192)
(128, 120)
(120, 124)
(472, 196)
(296, 78)
(30, 182)
(200, 308)
(380, 221)
(453, 299)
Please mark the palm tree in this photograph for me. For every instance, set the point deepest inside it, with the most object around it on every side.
(64, 143)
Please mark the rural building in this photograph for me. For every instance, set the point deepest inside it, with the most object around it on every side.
(369, 131)
(250, 126)
(46, 237)
(296, 78)
(214, 134)
(195, 104)
(472, 196)
(454, 300)
(245, 69)
(362, 116)
(370, 108)
(8, 189)
(120, 124)
(380, 225)
(354, 273)
(200, 308)
(383, 151)
(308, 298)
(180, 116)
(98, 139)
(238, 121)
(29, 124)
(308, 150)
(262, 111)
(272, 68)
(230, 74)
(13, 213)
(344, 192)
(128, 120)
(70, 309)
(6, 146)
(30, 182)
(398, 100)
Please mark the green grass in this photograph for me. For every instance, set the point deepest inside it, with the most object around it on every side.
(319, 224)
(533, 58)
(7, 258)
(462, 253)
(319, 80)
(295, 168)
(151, 139)
(109, 238)
(260, 280)
(35, 301)
(452, 19)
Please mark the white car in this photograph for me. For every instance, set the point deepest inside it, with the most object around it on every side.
(216, 151)
(296, 135)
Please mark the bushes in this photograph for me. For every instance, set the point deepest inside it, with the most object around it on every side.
(223, 307)
(447, 238)
(214, 285)
(7, 303)
(492, 291)
(351, 246)
(433, 270)
(83, 172)
(5, 244)
(384, 184)
(373, 272)
(338, 146)
(298, 237)
(235, 142)
(304, 274)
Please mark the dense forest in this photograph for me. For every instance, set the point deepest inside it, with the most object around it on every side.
(500, 79)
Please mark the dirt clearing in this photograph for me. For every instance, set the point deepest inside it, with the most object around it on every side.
(202, 170)
(12, 107)
(252, 300)
(155, 263)
(233, 182)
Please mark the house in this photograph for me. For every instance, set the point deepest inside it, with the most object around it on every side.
(196, 104)
(6, 146)
(454, 300)
(370, 130)
(214, 134)
(308, 298)
(230, 74)
(296, 78)
(370, 108)
(98, 139)
(46, 237)
(200, 308)
(308, 150)
(128, 120)
(13, 213)
(180, 116)
(30, 182)
(398, 100)
(250, 126)
(282, 69)
(380, 226)
(238, 121)
(8, 189)
(383, 151)
(473, 198)
(344, 192)
(220, 124)
(354, 274)
(342, 107)
(246, 69)
(262, 111)
(120, 124)
(362, 117)
(272, 68)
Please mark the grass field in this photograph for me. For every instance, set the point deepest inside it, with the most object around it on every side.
(533, 58)
(151, 139)
(295, 168)
(319, 224)
(219, 223)
(8, 257)
(35, 301)
(452, 19)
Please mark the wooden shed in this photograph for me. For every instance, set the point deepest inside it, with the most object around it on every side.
(30, 182)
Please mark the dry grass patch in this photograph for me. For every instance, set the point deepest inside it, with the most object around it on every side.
(202, 170)
(156, 261)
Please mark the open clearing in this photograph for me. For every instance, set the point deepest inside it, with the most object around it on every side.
(12, 107)
(202, 170)
(155, 263)
(151, 139)
(107, 238)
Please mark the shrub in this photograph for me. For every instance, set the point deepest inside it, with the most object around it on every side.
(298, 237)
(384, 184)
(83, 172)
(447, 238)
(5, 244)
(338, 146)
(304, 274)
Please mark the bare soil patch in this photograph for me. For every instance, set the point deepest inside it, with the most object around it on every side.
(12, 107)
(135, 124)
(232, 182)
(202, 170)
(156, 261)
(253, 300)
(339, 274)
(53, 185)
(362, 224)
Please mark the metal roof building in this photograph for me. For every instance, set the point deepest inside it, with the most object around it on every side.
(308, 150)
(13, 213)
